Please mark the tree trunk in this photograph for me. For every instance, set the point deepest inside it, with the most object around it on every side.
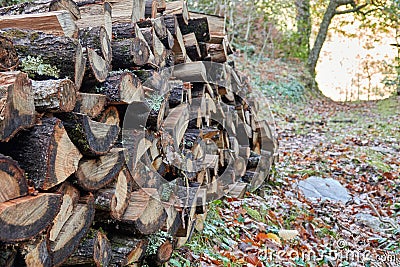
(303, 20)
(313, 57)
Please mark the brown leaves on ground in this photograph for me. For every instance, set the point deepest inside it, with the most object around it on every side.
(356, 144)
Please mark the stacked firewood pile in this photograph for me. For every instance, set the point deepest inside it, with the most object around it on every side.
(110, 147)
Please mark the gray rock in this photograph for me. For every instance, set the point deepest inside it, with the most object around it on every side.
(370, 221)
(324, 189)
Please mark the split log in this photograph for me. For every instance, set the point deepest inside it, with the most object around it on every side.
(161, 6)
(52, 50)
(17, 108)
(96, 14)
(8, 55)
(180, 8)
(198, 26)
(138, 10)
(180, 93)
(54, 95)
(127, 250)
(156, 46)
(123, 30)
(238, 190)
(176, 123)
(90, 104)
(46, 153)
(35, 253)
(144, 215)
(97, 68)
(93, 250)
(216, 25)
(74, 229)
(25, 217)
(59, 23)
(179, 48)
(162, 255)
(136, 144)
(191, 72)
(171, 23)
(91, 137)
(129, 53)
(145, 176)
(93, 174)
(42, 6)
(115, 198)
(192, 47)
(122, 88)
(151, 9)
(217, 52)
(97, 39)
(109, 116)
(13, 182)
(70, 198)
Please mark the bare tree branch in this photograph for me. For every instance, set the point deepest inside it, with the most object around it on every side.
(352, 10)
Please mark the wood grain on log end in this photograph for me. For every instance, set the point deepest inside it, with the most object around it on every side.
(25, 217)
(13, 182)
(74, 229)
(93, 174)
(91, 137)
(16, 104)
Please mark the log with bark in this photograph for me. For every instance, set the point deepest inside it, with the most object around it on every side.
(162, 254)
(17, 108)
(49, 52)
(90, 104)
(59, 23)
(12, 179)
(122, 88)
(93, 174)
(25, 217)
(91, 137)
(73, 230)
(54, 95)
(115, 197)
(46, 153)
(8, 55)
(127, 250)
(42, 6)
(34, 253)
(93, 250)
(144, 215)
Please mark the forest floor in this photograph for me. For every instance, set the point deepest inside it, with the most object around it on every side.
(356, 144)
